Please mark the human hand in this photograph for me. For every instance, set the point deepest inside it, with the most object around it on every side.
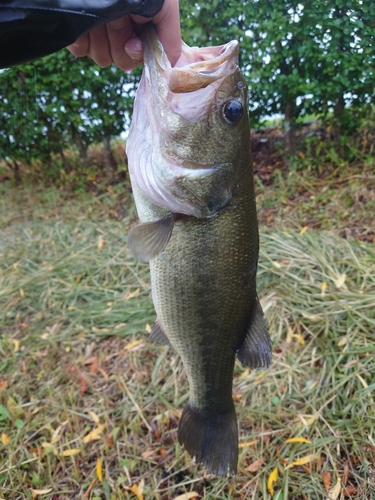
(117, 43)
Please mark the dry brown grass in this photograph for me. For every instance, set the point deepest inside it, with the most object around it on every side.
(74, 358)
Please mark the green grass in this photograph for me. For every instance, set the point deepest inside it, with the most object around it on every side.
(74, 357)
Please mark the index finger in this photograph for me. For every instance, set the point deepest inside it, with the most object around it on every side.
(167, 23)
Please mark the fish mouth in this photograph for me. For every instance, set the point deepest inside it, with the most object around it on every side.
(197, 67)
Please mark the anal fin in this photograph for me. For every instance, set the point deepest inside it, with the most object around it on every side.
(148, 239)
(158, 334)
(256, 349)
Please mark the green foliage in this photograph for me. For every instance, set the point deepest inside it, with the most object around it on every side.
(59, 101)
(308, 56)
(299, 57)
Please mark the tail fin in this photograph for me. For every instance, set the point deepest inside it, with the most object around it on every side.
(211, 438)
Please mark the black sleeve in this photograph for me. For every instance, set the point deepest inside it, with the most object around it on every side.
(30, 29)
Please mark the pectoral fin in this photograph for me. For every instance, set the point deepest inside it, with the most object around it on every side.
(158, 334)
(256, 350)
(148, 239)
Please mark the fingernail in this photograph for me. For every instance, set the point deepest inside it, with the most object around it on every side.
(133, 48)
(136, 56)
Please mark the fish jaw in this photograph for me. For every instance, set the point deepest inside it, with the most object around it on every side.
(175, 111)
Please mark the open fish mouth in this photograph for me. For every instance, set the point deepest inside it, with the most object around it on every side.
(201, 66)
(196, 68)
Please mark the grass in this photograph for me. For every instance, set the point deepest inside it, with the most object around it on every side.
(320, 188)
(89, 409)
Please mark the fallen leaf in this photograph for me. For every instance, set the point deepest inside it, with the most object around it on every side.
(248, 443)
(101, 243)
(312, 317)
(323, 288)
(137, 489)
(16, 344)
(129, 295)
(83, 382)
(276, 264)
(304, 460)
(93, 366)
(56, 433)
(99, 470)
(237, 397)
(349, 490)
(120, 325)
(35, 493)
(134, 344)
(46, 444)
(188, 496)
(298, 440)
(12, 406)
(307, 420)
(36, 451)
(70, 453)
(95, 434)
(299, 338)
(303, 230)
(343, 341)
(245, 373)
(148, 328)
(340, 281)
(148, 453)
(335, 491)
(255, 466)
(93, 416)
(4, 439)
(90, 360)
(105, 375)
(271, 480)
(87, 492)
(3, 385)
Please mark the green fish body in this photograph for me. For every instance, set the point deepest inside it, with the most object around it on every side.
(191, 171)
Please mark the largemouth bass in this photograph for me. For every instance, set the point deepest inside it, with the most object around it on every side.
(191, 171)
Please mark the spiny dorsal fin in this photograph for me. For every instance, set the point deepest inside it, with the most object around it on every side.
(256, 350)
(158, 334)
(148, 239)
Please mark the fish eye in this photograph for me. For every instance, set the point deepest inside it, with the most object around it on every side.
(233, 111)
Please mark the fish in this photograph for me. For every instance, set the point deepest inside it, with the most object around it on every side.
(190, 167)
